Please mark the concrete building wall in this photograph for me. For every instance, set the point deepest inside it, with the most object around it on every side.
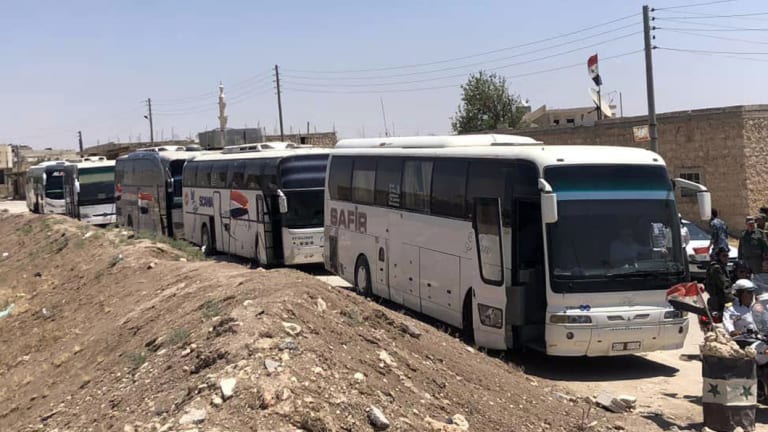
(724, 147)
(320, 139)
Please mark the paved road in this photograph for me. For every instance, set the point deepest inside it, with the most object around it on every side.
(13, 206)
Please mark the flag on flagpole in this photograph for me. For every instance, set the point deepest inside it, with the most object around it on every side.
(594, 72)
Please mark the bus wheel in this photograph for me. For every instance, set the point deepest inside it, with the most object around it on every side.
(467, 321)
(363, 276)
(205, 240)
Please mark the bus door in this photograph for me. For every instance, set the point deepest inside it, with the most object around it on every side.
(220, 224)
(488, 293)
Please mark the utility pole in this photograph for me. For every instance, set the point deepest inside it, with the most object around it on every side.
(279, 103)
(383, 114)
(222, 116)
(80, 141)
(653, 133)
(149, 117)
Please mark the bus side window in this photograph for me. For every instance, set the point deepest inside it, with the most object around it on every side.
(449, 183)
(189, 174)
(485, 179)
(417, 181)
(219, 174)
(363, 179)
(203, 175)
(237, 175)
(340, 181)
(389, 171)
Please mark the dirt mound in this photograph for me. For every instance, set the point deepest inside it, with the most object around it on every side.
(108, 332)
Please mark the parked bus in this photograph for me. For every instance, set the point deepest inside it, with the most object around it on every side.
(567, 249)
(44, 187)
(93, 200)
(259, 202)
(148, 190)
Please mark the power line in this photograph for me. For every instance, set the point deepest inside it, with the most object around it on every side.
(735, 53)
(487, 69)
(453, 59)
(717, 37)
(714, 54)
(703, 16)
(711, 29)
(691, 5)
(326, 78)
(417, 89)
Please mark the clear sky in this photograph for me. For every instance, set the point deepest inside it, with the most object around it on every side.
(87, 65)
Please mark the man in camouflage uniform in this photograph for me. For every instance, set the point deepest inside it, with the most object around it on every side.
(753, 247)
(718, 282)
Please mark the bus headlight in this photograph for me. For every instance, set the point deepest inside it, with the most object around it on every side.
(570, 319)
(490, 316)
(674, 314)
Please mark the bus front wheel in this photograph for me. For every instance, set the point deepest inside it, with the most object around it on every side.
(205, 240)
(363, 276)
(467, 321)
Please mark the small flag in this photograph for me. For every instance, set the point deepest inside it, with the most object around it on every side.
(594, 72)
(687, 297)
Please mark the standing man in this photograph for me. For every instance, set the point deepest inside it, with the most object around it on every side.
(752, 246)
(718, 282)
(719, 237)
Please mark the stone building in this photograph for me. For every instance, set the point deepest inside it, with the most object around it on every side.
(319, 139)
(725, 149)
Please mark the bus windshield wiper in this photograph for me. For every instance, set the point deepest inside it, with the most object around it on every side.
(635, 273)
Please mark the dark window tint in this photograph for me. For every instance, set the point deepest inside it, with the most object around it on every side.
(388, 174)
(363, 177)
(417, 179)
(449, 181)
(204, 175)
(219, 174)
(485, 180)
(237, 175)
(340, 181)
(189, 174)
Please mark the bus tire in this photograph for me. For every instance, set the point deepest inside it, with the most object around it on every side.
(363, 276)
(206, 241)
(467, 320)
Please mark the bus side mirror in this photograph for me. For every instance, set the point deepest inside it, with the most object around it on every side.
(282, 202)
(77, 186)
(548, 202)
(703, 197)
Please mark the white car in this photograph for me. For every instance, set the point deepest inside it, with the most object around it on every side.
(699, 241)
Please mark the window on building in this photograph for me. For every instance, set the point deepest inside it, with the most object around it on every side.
(363, 178)
(417, 182)
(388, 174)
(2, 177)
(449, 182)
(690, 175)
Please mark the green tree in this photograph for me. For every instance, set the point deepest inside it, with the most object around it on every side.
(487, 104)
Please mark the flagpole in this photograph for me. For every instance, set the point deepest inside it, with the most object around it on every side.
(599, 103)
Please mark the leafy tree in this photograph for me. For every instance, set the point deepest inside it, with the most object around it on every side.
(487, 104)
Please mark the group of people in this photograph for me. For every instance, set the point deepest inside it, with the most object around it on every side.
(732, 293)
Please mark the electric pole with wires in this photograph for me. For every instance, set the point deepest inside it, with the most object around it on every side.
(149, 117)
(279, 103)
(652, 132)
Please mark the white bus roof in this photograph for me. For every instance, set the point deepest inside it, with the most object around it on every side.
(542, 155)
(269, 145)
(438, 141)
(95, 164)
(263, 154)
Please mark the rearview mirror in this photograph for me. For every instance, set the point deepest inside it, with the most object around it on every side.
(703, 197)
(282, 202)
(548, 202)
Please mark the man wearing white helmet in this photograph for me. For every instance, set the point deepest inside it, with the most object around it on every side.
(737, 317)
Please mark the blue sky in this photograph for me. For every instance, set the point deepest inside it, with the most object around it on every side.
(87, 65)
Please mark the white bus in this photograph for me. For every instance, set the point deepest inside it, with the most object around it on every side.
(567, 249)
(44, 187)
(148, 190)
(261, 203)
(94, 187)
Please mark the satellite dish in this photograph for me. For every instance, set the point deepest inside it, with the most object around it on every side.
(604, 106)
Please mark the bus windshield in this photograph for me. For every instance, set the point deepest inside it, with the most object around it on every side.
(97, 185)
(613, 222)
(305, 208)
(54, 185)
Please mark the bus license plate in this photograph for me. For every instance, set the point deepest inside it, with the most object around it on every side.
(625, 346)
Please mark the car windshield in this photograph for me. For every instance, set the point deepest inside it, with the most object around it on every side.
(305, 209)
(614, 221)
(97, 185)
(695, 232)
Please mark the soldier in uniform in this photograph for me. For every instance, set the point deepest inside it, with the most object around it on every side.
(753, 247)
(718, 282)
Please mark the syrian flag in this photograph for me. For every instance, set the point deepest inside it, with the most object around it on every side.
(687, 297)
(594, 72)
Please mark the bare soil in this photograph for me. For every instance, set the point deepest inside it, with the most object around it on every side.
(109, 332)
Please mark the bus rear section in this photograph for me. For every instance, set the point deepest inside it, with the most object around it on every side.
(50, 188)
(96, 192)
(148, 191)
(263, 204)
